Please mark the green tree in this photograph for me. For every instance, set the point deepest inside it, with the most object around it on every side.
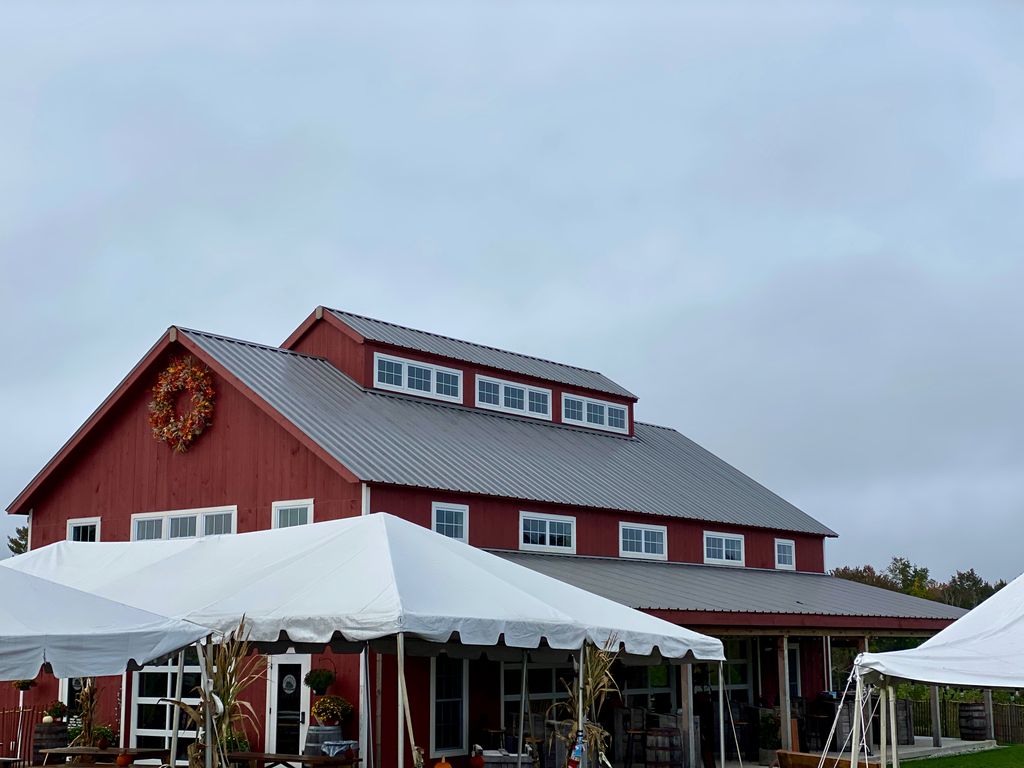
(866, 574)
(18, 543)
(912, 579)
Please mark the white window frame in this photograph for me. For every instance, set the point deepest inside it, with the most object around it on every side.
(781, 566)
(76, 521)
(406, 389)
(463, 508)
(571, 550)
(277, 505)
(464, 750)
(502, 384)
(168, 668)
(606, 404)
(663, 530)
(200, 513)
(722, 561)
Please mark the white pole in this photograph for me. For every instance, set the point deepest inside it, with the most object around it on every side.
(883, 726)
(721, 710)
(365, 744)
(831, 685)
(208, 723)
(895, 727)
(400, 670)
(378, 732)
(522, 710)
(21, 714)
(177, 715)
(858, 702)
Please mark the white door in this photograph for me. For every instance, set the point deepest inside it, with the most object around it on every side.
(287, 703)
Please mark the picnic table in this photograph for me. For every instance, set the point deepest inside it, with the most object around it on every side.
(272, 760)
(89, 754)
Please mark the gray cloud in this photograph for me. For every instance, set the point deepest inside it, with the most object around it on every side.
(792, 230)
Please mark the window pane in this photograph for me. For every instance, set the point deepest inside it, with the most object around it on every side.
(714, 548)
(733, 550)
(535, 531)
(217, 523)
(559, 533)
(595, 413)
(632, 540)
(654, 542)
(182, 527)
(515, 398)
(488, 392)
(85, 532)
(573, 409)
(151, 528)
(288, 517)
(617, 418)
(539, 402)
(419, 378)
(389, 372)
(450, 522)
(448, 703)
(447, 384)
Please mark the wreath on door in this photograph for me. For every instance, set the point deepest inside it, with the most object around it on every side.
(184, 374)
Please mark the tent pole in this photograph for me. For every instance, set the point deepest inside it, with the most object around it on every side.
(883, 725)
(365, 747)
(378, 695)
(855, 735)
(21, 714)
(895, 727)
(400, 669)
(207, 711)
(177, 696)
(522, 710)
(721, 711)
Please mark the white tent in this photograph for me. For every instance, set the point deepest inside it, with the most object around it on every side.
(981, 649)
(77, 633)
(359, 579)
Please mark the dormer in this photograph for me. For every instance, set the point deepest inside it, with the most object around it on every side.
(393, 358)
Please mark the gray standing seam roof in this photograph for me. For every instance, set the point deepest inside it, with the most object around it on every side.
(688, 587)
(410, 338)
(404, 440)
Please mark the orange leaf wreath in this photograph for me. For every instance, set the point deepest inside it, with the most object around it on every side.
(184, 374)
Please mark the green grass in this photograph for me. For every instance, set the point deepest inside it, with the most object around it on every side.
(1007, 757)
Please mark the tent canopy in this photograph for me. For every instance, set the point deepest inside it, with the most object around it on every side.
(982, 649)
(79, 634)
(362, 578)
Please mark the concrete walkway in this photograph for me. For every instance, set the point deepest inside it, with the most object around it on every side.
(922, 748)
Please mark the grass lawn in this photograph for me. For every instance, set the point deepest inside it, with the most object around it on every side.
(1008, 757)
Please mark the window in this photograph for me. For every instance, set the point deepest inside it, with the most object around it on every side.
(599, 414)
(547, 533)
(739, 670)
(84, 529)
(647, 541)
(785, 554)
(451, 520)
(414, 377)
(546, 684)
(795, 689)
(652, 688)
(723, 548)
(184, 523)
(152, 716)
(510, 397)
(286, 514)
(449, 713)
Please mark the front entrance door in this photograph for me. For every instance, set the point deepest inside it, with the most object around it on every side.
(287, 703)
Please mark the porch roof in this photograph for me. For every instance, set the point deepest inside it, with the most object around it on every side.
(749, 595)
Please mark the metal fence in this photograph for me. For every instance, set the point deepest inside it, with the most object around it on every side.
(17, 728)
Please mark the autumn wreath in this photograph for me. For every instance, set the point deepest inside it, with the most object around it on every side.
(184, 374)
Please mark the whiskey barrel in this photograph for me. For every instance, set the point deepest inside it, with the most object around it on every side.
(48, 736)
(316, 735)
(973, 722)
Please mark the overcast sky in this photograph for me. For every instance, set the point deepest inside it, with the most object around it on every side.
(793, 229)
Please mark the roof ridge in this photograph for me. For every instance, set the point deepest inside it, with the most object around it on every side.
(246, 342)
(675, 563)
(464, 341)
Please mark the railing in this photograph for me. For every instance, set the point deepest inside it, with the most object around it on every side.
(1007, 718)
(17, 728)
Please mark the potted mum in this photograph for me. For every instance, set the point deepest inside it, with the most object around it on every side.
(331, 710)
(56, 711)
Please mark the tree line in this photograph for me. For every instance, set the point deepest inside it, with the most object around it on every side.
(964, 589)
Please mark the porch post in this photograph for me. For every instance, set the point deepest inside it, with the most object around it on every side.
(883, 725)
(936, 718)
(721, 711)
(990, 714)
(895, 727)
(686, 707)
(785, 710)
(828, 662)
(522, 710)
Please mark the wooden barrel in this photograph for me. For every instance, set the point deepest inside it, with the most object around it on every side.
(317, 735)
(973, 722)
(48, 736)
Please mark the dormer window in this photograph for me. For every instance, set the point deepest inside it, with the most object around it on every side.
(599, 414)
(413, 377)
(512, 397)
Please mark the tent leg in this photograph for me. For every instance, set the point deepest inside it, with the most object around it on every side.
(21, 714)
(883, 726)
(400, 670)
(579, 703)
(721, 711)
(364, 706)
(177, 695)
(855, 733)
(895, 727)
(208, 736)
(522, 710)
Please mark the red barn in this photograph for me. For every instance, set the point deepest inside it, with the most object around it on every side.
(539, 461)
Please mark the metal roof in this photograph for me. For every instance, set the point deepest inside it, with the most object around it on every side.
(688, 587)
(404, 440)
(410, 338)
